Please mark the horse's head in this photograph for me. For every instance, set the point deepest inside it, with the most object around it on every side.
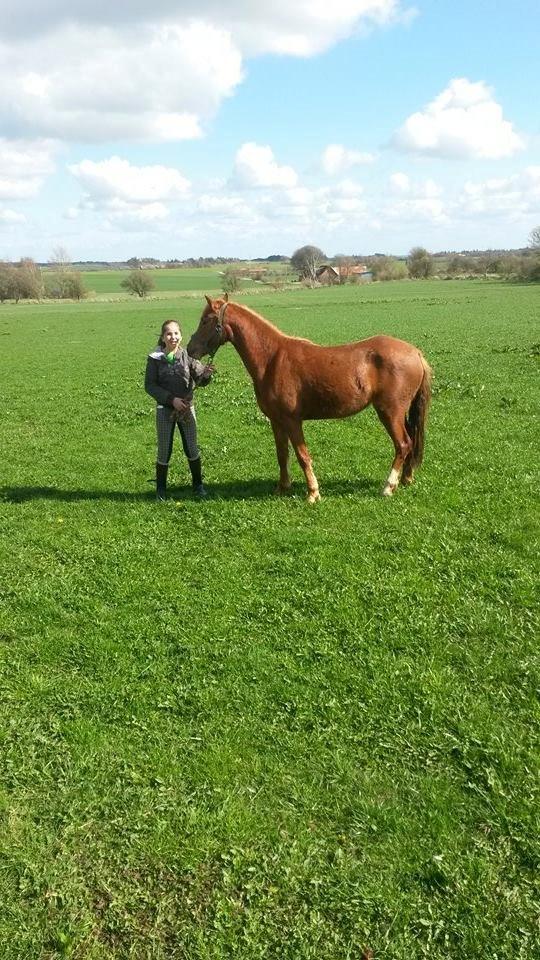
(209, 334)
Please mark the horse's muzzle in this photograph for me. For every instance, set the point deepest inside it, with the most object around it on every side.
(194, 350)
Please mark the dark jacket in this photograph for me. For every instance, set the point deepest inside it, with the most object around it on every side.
(164, 381)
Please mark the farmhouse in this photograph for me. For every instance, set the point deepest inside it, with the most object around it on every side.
(330, 274)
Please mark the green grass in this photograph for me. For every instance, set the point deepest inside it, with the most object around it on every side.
(249, 727)
(177, 279)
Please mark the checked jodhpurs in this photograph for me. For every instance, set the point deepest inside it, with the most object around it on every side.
(187, 425)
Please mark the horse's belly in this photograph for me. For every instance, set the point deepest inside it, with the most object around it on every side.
(334, 405)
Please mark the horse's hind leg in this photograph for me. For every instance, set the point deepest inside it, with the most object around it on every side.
(282, 449)
(296, 436)
(394, 423)
(407, 474)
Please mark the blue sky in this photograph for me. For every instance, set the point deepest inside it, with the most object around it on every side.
(178, 129)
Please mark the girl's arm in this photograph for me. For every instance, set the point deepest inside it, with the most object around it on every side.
(201, 372)
(153, 387)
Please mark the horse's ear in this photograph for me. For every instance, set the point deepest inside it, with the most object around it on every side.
(208, 300)
(226, 297)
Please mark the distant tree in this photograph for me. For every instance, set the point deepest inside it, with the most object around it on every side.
(419, 263)
(534, 238)
(138, 282)
(460, 264)
(9, 286)
(60, 257)
(63, 282)
(29, 279)
(530, 268)
(231, 280)
(133, 263)
(74, 288)
(386, 268)
(306, 261)
(493, 263)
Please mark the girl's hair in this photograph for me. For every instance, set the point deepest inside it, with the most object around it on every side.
(161, 342)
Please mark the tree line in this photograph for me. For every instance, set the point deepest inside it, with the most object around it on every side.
(26, 281)
(420, 264)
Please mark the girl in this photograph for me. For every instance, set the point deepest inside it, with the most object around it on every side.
(171, 377)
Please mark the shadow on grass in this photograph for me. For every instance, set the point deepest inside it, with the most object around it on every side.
(259, 489)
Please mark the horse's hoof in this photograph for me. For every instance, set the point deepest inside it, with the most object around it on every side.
(313, 497)
(406, 481)
(388, 491)
(282, 491)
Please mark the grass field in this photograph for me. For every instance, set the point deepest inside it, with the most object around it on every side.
(248, 727)
(180, 279)
(205, 279)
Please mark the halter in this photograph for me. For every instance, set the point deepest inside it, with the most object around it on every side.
(219, 328)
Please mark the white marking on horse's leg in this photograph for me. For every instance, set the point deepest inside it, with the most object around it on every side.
(312, 485)
(391, 483)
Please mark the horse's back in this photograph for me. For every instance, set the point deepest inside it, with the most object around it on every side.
(309, 381)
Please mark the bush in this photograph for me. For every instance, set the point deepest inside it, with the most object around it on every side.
(21, 281)
(387, 268)
(29, 280)
(65, 284)
(419, 263)
(8, 283)
(138, 282)
(231, 280)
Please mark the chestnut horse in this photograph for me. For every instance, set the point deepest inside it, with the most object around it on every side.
(298, 380)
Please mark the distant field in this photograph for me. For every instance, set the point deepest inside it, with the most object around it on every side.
(203, 279)
(248, 727)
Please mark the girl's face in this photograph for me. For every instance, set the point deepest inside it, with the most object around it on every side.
(171, 337)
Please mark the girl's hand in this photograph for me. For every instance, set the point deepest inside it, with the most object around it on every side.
(180, 405)
(209, 369)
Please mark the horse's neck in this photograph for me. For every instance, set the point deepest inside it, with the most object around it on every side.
(255, 340)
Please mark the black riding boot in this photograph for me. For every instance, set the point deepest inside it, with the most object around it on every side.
(161, 481)
(196, 477)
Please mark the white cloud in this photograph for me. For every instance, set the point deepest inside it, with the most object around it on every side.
(463, 122)
(300, 28)
(11, 216)
(138, 212)
(400, 183)
(256, 166)
(514, 197)
(153, 72)
(225, 206)
(120, 179)
(24, 167)
(414, 201)
(157, 83)
(337, 159)
(128, 196)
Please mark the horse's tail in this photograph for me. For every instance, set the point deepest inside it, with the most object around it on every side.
(416, 419)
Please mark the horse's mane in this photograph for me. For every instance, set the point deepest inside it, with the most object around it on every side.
(270, 326)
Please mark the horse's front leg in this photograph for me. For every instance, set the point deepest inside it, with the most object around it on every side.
(282, 449)
(296, 436)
